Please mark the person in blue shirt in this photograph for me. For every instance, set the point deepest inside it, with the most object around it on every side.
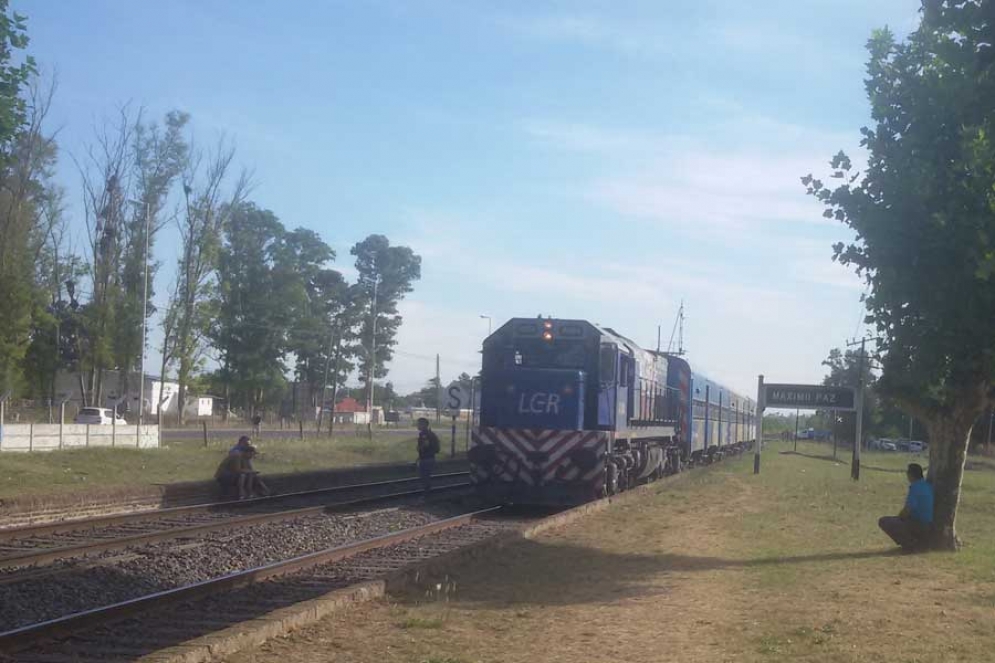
(910, 528)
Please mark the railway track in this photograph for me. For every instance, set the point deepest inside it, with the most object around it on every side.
(43, 544)
(130, 630)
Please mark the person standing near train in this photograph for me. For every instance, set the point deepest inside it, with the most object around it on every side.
(428, 447)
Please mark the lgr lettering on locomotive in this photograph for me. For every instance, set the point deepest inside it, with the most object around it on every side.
(539, 403)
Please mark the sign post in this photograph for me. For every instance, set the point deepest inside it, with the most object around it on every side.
(456, 397)
(796, 397)
(760, 424)
(859, 433)
(809, 396)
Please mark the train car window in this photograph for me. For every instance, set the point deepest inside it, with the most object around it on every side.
(623, 373)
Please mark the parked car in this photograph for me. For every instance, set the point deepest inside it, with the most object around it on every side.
(99, 416)
(887, 445)
(915, 446)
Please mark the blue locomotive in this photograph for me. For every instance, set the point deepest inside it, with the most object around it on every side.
(571, 412)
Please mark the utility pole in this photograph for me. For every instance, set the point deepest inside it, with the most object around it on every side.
(438, 391)
(324, 382)
(658, 338)
(372, 370)
(145, 311)
(857, 443)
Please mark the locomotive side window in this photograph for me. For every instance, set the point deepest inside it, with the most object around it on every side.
(606, 364)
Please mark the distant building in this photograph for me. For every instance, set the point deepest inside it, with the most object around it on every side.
(157, 392)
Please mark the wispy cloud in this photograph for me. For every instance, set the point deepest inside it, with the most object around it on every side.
(629, 38)
(694, 186)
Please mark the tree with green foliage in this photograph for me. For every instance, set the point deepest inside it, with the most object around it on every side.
(129, 172)
(386, 275)
(252, 308)
(156, 158)
(19, 236)
(924, 216)
(210, 199)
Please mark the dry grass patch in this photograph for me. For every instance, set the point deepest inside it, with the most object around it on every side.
(185, 460)
(722, 566)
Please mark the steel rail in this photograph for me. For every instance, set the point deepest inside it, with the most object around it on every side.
(24, 636)
(47, 555)
(23, 531)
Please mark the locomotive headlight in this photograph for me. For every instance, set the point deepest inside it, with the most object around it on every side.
(547, 335)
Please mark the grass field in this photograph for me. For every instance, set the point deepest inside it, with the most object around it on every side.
(187, 460)
(717, 566)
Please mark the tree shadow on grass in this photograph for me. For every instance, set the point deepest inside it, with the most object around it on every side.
(549, 574)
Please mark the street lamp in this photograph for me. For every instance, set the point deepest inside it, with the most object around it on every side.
(145, 310)
(488, 318)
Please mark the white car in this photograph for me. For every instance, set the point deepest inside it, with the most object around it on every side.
(99, 416)
(888, 445)
(916, 447)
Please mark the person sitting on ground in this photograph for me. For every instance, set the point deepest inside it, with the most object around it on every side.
(236, 474)
(910, 528)
(428, 446)
(255, 484)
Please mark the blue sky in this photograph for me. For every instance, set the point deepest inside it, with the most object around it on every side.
(598, 160)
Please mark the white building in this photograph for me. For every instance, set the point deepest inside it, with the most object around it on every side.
(157, 392)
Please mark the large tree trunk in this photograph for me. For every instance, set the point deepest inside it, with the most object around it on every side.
(948, 437)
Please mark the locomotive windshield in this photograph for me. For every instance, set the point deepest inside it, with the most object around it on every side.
(538, 353)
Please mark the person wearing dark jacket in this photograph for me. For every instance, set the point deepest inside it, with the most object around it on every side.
(428, 447)
(235, 474)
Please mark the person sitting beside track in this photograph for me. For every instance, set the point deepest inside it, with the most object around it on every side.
(910, 528)
(236, 474)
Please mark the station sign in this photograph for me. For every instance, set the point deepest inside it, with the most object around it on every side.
(809, 396)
